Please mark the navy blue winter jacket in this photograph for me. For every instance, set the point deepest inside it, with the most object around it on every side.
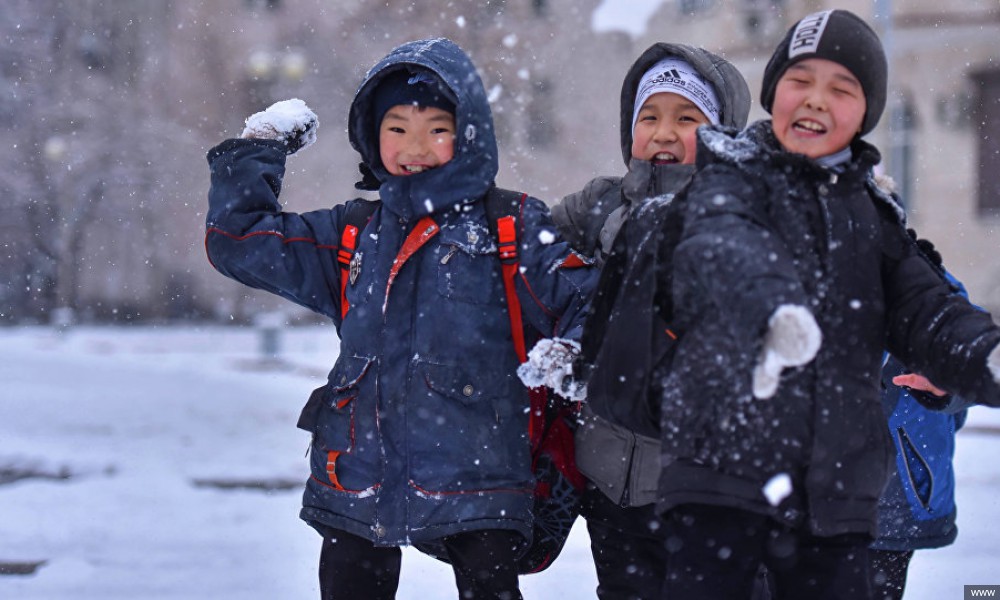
(421, 430)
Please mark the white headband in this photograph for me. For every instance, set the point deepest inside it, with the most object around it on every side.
(677, 76)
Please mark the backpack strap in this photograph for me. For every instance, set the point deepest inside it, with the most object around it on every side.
(503, 208)
(356, 216)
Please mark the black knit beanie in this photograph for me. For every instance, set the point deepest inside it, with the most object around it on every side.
(418, 86)
(844, 38)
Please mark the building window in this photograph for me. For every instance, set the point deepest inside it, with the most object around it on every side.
(902, 140)
(987, 111)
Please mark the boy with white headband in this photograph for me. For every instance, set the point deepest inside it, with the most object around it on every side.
(670, 91)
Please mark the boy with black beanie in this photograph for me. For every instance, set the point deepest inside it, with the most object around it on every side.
(792, 273)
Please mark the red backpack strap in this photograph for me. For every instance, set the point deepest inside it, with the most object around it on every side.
(348, 244)
(356, 216)
(503, 209)
(510, 264)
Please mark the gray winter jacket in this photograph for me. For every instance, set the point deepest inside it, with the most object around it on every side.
(618, 447)
(590, 219)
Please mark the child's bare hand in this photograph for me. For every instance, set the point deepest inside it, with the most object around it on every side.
(918, 382)
(288, 121)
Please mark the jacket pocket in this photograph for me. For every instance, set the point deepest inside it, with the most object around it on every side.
(604, 454)
(330, 412)
(470, 272)
(467, 431)
(918, 475)
(468, 389)
(644, 478)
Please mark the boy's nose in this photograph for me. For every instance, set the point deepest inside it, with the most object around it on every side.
(816, 101)
(416, 147)
(665, 133)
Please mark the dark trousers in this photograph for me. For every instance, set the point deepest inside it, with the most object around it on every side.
(887, 569)
(484, 562)
(628, 548)
(715, 553)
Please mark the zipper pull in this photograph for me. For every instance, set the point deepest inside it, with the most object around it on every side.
(447, 257)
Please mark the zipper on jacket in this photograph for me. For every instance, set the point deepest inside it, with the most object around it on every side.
(447, 257)
(910, 453)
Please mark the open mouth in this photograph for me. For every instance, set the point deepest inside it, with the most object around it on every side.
(414, 169)
(665, 158)
(809, 126)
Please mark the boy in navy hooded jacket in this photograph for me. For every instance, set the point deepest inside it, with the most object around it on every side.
(421, 433)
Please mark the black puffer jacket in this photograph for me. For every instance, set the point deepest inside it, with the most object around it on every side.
(618, 446)
(763, 228)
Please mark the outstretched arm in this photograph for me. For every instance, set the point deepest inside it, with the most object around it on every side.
(248, 236)
(934, 330)
(729, 264)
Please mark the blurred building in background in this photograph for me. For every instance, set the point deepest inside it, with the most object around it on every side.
(108, 107)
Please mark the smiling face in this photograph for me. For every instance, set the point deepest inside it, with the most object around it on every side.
(818, 108)
(665, 128)
(413, 139)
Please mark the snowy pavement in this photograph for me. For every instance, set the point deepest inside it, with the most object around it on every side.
(164, 464)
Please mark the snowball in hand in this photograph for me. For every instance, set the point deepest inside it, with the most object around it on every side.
(777, 488)
(550, 364)
(288, 121)
(793, 339)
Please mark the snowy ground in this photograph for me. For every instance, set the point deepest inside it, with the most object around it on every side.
(128, 434)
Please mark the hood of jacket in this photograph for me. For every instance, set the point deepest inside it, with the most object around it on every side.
(729, 84)
(472, 169)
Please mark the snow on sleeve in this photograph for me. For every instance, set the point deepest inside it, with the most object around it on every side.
(777, 488)
(290, 121)
(793, 339)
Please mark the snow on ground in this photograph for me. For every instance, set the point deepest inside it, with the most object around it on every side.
(132, 434)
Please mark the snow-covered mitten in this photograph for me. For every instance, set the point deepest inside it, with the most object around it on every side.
(550, 364)
(288, 121)
(993, 362)
(793, 339)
